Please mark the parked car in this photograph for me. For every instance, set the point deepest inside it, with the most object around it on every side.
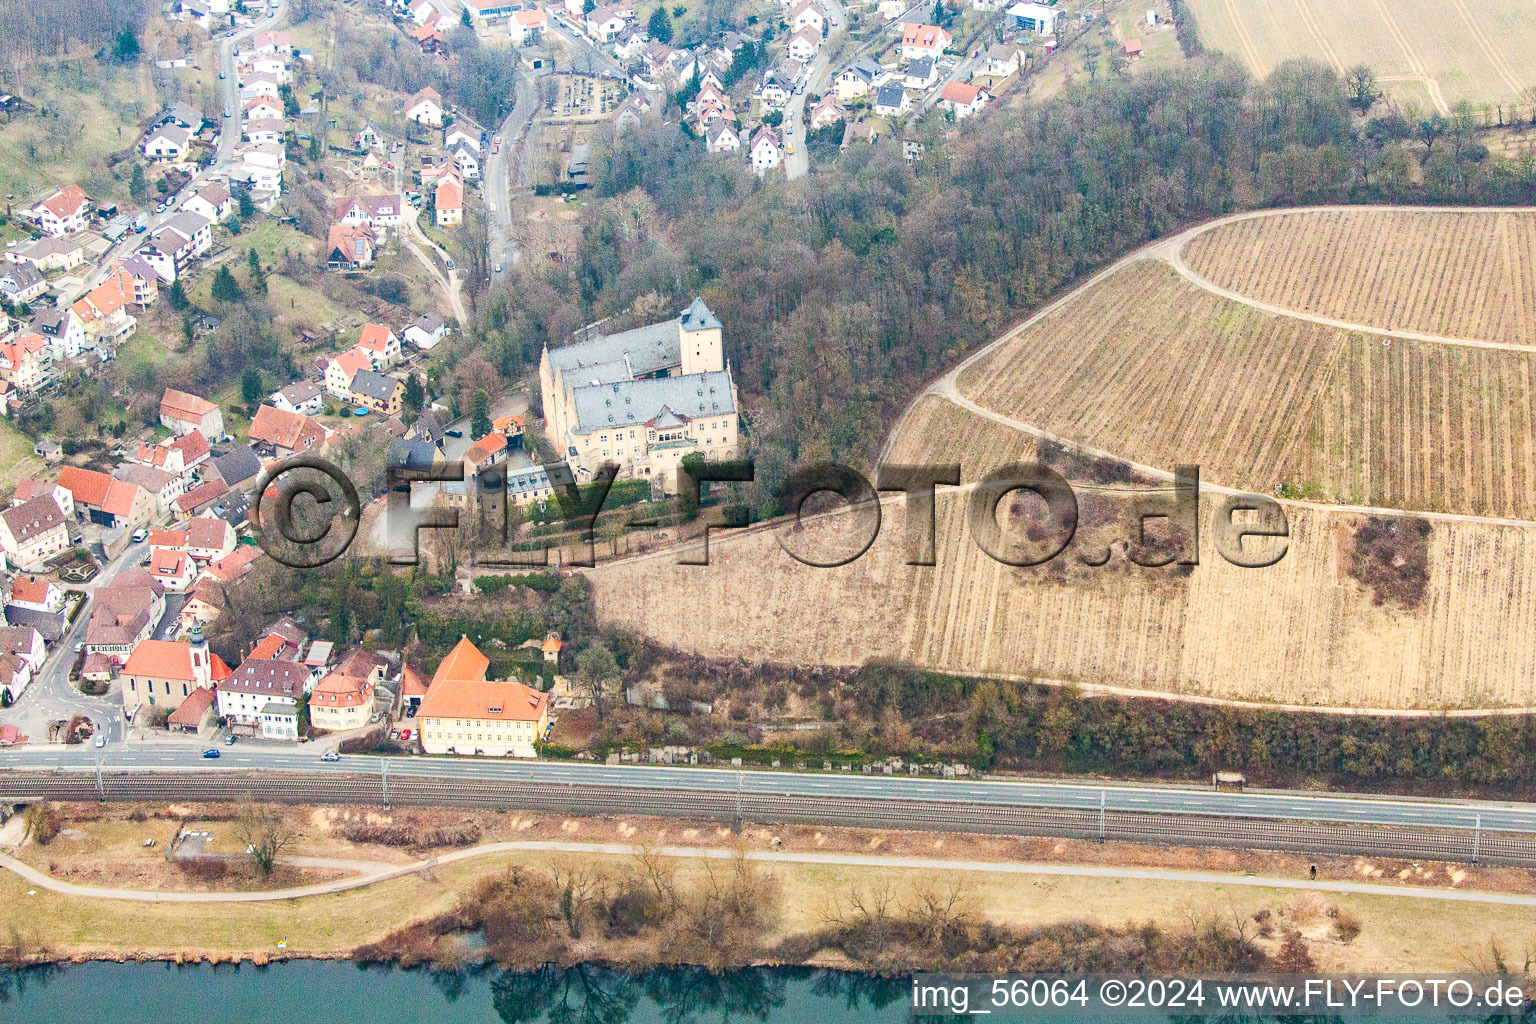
(455, 432)
(211, 752)
(405, 734)
(79, 647)
(101, 740)
(229, 740)
(330, 755)
(497, 268)
(139, 536)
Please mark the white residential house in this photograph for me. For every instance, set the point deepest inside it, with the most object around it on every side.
(722, 138)
(426, 331)
(1002, 61)
(253, 86)
(1033, 17)
(21, 282)
(63, 211)
(892, 101)
(918, 40)
(462, 132)
(212, 201)
(962, 99)
(169, 142)
(426, 107)
(809, 15)
(302, 396)
(921, 73)
(262, 108)
(804, 45)
(467, 160)
(264, 131)
(527, 27)
(828, 111)
(766, 153)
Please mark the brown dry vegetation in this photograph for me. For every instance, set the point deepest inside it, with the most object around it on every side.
(1458, 275)
(1160, 371)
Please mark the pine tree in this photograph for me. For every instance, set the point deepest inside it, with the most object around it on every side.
(480, 418)
(225, 287)
(415, 396)
(660, 25)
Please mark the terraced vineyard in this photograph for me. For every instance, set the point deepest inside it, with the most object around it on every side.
(1459, 275)
(1161, 371)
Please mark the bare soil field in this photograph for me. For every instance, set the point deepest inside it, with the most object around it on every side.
(1160, 371)
(1429, 55)
(1454, 274)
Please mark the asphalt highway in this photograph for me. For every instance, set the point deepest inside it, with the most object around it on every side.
(1354, 809)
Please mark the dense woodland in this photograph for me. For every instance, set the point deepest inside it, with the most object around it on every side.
(42, 28)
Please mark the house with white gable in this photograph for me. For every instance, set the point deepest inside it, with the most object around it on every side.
(426, 107)
(804, 45)
(766, 153)
(809, 14)
(722, 138)
(919, 40)
(169, 142)
(63, 211)
(962, 99)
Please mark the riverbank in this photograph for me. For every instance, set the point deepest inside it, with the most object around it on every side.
(1008, 883)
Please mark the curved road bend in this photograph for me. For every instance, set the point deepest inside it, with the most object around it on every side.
(1361, 809)
(387, 872)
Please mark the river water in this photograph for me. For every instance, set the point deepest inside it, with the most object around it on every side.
(339, 992)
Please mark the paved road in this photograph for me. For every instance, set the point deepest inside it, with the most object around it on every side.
(51, 696)
(796, 164)
(374, 872)
(500, 177)
(590, 58)
(229, 85)
(1353, 809)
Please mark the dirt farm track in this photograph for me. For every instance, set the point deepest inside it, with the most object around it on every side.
(1375, 366)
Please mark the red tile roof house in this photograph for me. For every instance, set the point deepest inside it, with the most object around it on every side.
(285, 433)
(37, 593)
(117, 504)
(183, 413)
(351, 247)
(174, 569)
(64, 210)
(380, 345)
(195, 713)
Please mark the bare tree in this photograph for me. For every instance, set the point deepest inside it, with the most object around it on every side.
(578, 887)
(936, 906)
(265, 831)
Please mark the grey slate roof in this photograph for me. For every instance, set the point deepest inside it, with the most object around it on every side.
(183, 113)
(648, 349)
(536, 478)
(889, 96)
(922, 67)
(412, 454)
(427, 426)
(634, 402)
(237, 464)
(50, 624)
(374, 384)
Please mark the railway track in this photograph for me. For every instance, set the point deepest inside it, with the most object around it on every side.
(1291, 835)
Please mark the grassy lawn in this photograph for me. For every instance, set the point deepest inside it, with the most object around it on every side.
(140, 351)
(16, 458)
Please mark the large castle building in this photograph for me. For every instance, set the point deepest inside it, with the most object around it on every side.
(643, 398)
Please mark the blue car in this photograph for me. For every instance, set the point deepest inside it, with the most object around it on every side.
(211, 752)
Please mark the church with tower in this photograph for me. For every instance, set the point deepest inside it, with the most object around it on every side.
(643, 399)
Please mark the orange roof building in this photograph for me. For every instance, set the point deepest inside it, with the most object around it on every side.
(465, 713)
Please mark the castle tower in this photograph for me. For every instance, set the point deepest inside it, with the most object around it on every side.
(702, 349)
